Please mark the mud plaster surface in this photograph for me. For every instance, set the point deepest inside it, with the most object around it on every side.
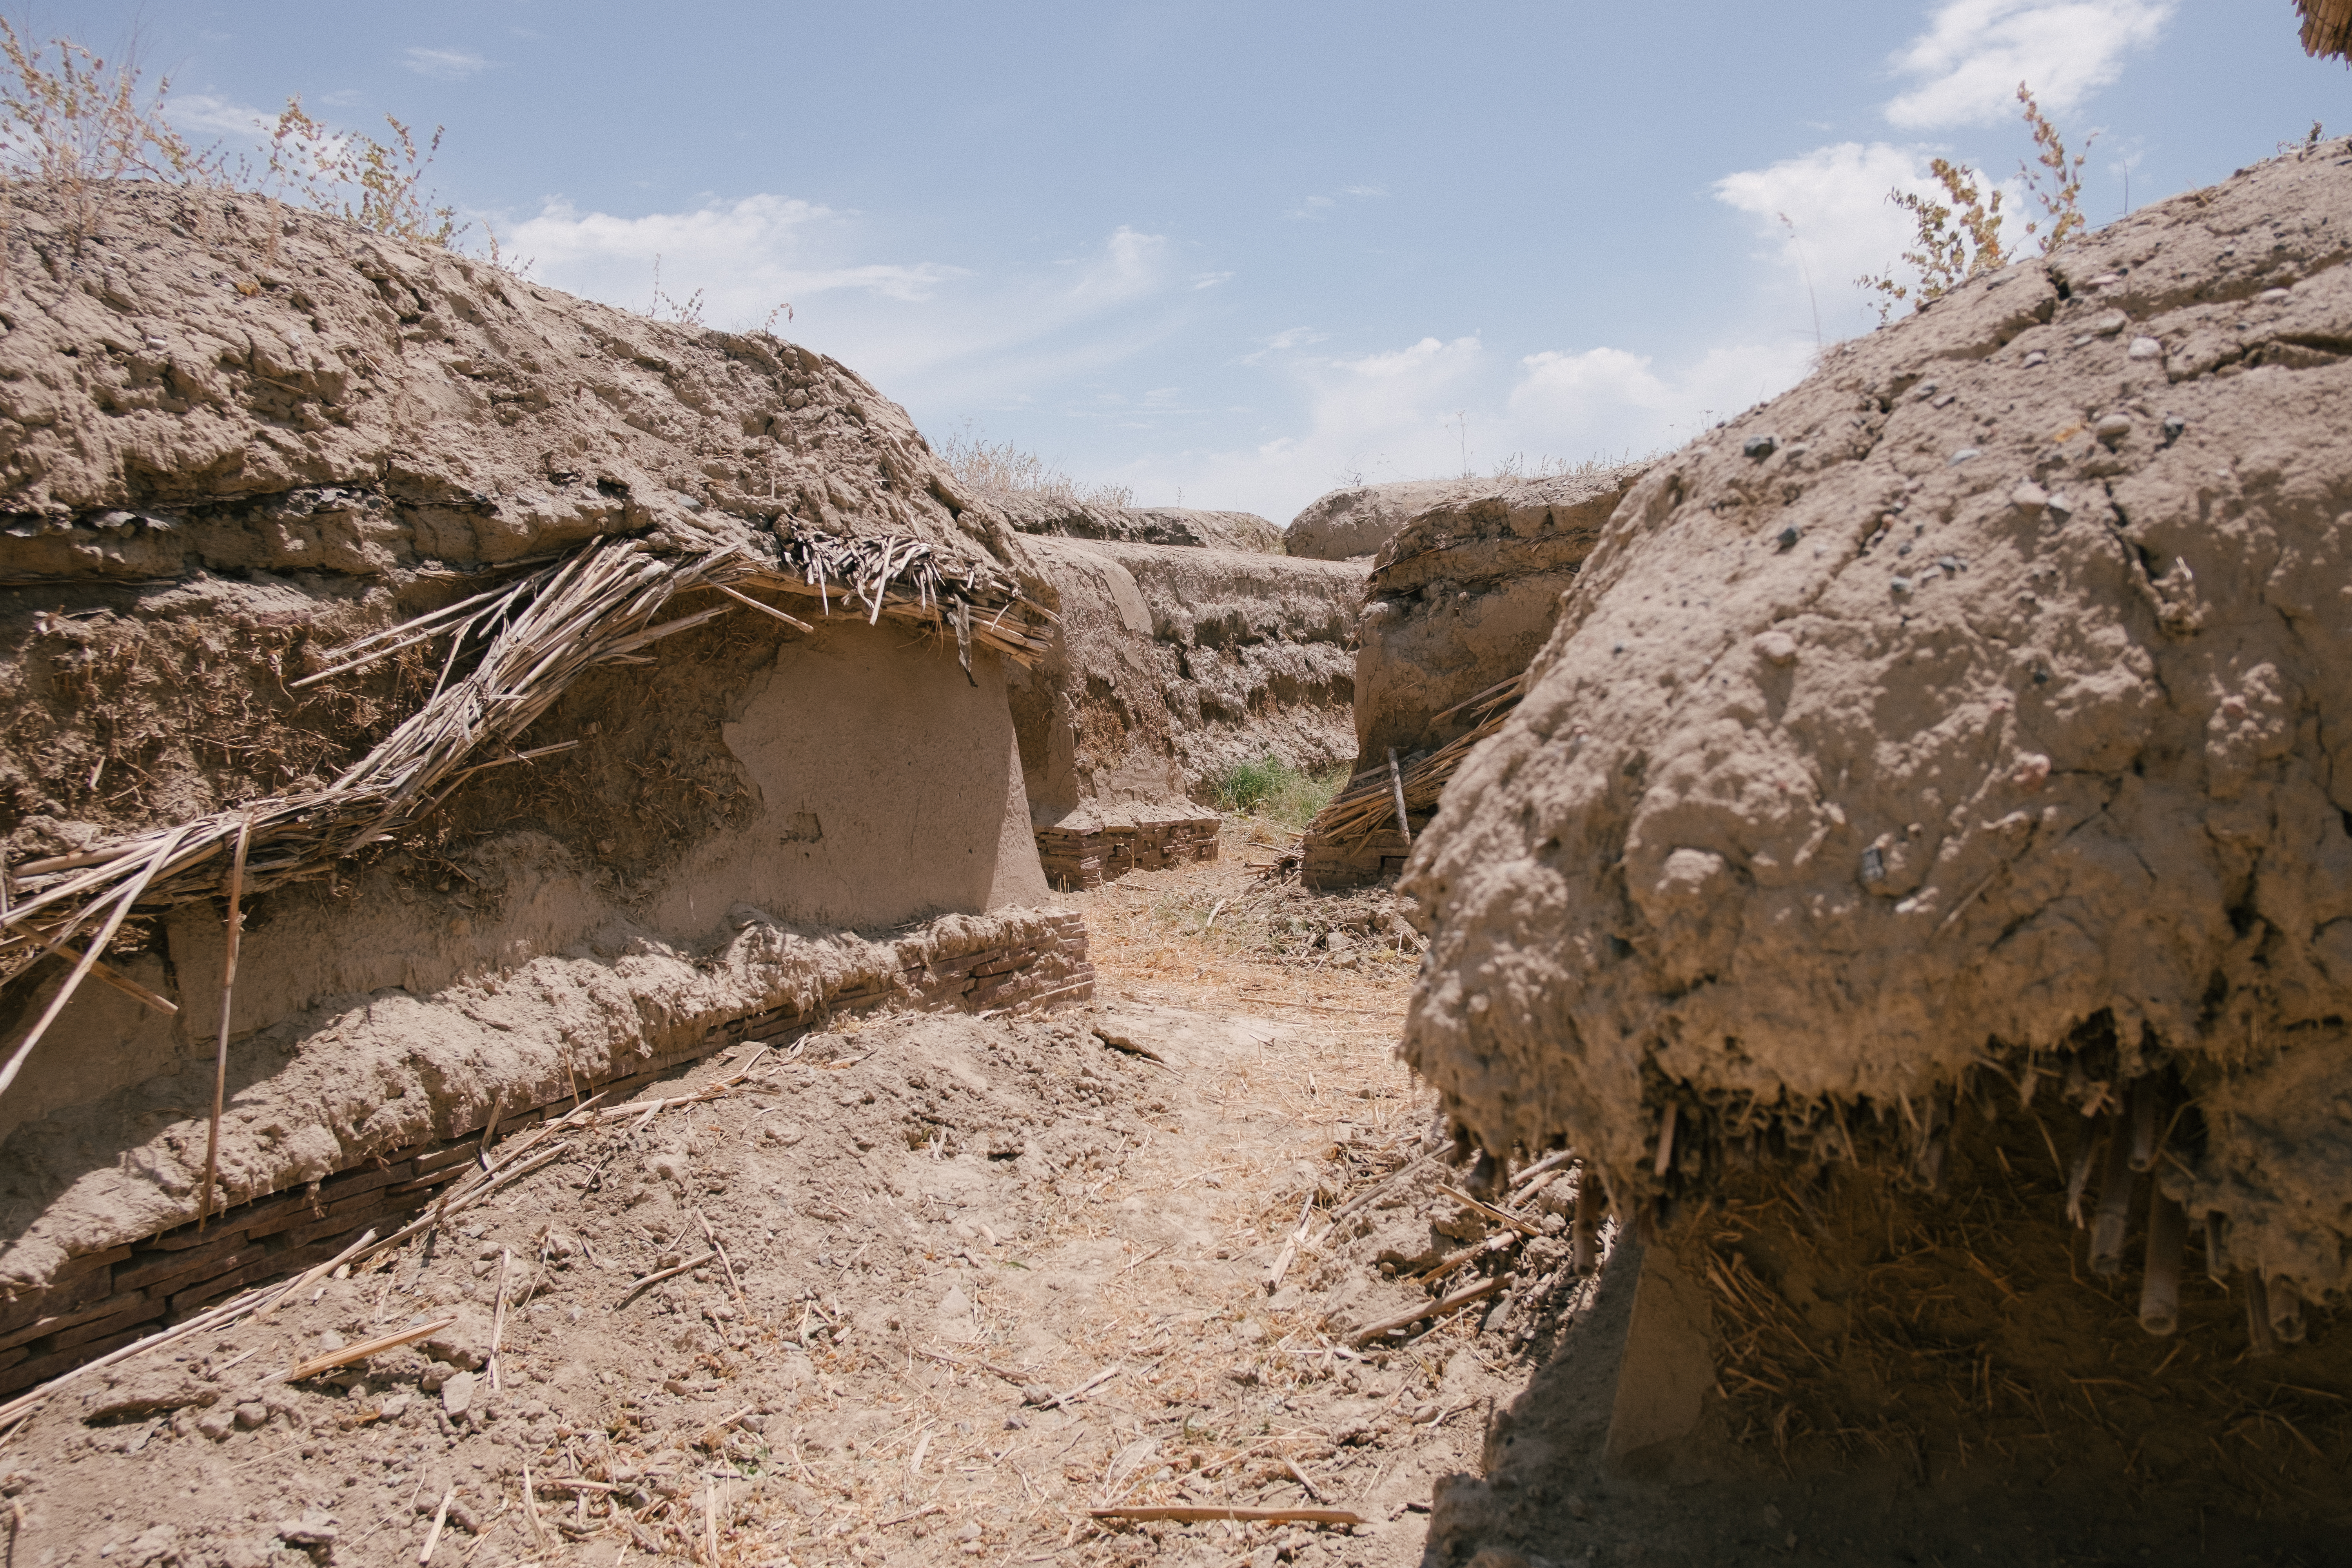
(1463, 595)
(1173, 664)
(1990, 684)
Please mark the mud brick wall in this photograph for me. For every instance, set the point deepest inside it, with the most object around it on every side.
(1072, 856)
(1091, 854)
(100, 1301)
(1150, 846)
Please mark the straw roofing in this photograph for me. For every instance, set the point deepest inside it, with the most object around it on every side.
(2326, 26)
(1973, 709)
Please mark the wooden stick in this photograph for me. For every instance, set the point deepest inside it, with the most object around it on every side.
(1584, 1234)
(229, 993)
(1665, 1160)
(1289, 1248)
(2258, 1317)
(364, 1349)
(2159, 1290)
(498, 1318)
(1501, 1241)
(440, 1517)
(1396, 786)
(2286, 1310)
(1097, 1380)
(792, 621)
(531, 1505)
(710, 1524)
(1550, 1162)
(2143, 1124)
(1363, 1200)
(1143, 1513)
(1500, 1216)
(650, 1280)
(734, 1286)
(121, 982)
(2113, 1216)
(1446, 1307)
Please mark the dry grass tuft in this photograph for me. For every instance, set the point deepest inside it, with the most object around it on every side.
(1002, 470)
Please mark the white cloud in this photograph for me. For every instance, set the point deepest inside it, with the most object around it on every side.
(1974, 52)
(442, 65)
(201, 113)
(1364, 190)
(1131, 264)
(1838, 225)
(746, 257)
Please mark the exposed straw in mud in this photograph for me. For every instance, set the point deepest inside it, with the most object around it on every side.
(528, 642)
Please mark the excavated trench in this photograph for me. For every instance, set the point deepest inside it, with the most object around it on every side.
(1938, 978)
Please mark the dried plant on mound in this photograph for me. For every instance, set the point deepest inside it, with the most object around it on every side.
(1003, 469)
(528, 642)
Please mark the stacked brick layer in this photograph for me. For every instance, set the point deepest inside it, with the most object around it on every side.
(1090, 854)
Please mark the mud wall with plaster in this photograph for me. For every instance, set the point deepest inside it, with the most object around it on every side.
(1462, 595)
(240, 437)
(871, 786)
(1172, 664)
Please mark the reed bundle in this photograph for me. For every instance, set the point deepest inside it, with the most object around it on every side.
(520, 646)
(1368, 803)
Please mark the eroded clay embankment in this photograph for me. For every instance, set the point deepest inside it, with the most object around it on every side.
(1975, 707)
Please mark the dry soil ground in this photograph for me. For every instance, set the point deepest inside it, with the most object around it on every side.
(931, 1226)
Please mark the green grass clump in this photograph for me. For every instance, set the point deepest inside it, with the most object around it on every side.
(1277, 791)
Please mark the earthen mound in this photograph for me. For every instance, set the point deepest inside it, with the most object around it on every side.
(1464, 594)
(1187, 526)
(1970, 717)
(438, 593)
(1359, 519)
(1460, 598)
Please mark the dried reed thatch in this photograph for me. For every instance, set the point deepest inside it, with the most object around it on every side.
(527, 642)
(2326, 27)
(1368, 803)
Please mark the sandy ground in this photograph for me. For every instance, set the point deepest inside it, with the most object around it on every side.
(931, 1227)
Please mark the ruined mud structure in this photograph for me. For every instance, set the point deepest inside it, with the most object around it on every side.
(1462, 594)
(1917, 883)
(537, 682)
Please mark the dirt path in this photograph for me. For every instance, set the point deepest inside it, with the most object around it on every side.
(934, 1226)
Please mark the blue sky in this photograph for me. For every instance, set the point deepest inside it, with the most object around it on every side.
(1238, 254)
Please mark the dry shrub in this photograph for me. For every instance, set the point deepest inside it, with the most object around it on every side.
(74, 124)
(1003, 469)
(1956, 238)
